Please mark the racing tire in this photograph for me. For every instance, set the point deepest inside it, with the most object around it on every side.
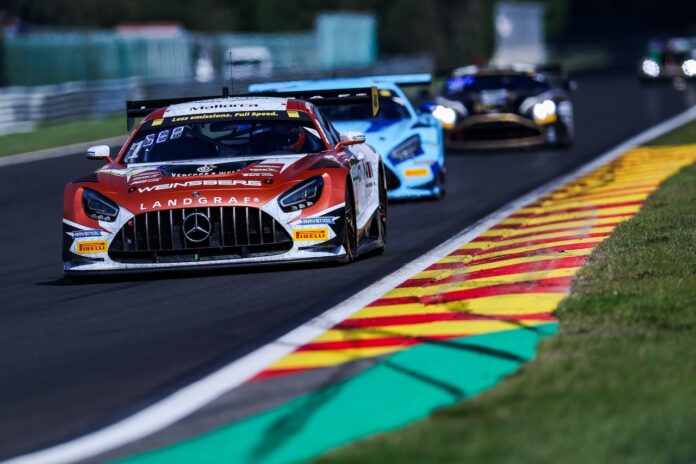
(382, 211)
(350, 228)
(441, 183)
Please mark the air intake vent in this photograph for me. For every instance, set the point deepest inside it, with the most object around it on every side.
(199, 234)
(325, 163)
(88, 178)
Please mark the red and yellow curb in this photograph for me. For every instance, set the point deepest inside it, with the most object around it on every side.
(511, 276)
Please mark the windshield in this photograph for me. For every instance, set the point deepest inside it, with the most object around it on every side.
(222, 139)
(472, 83)
(391, 107)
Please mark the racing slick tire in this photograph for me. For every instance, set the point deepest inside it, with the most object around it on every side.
(350, 228)
(441, 183)
(382, 211)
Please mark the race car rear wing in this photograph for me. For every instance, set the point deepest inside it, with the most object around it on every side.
(406, 80)
(402, 80)
(332, 97)
(360, 96)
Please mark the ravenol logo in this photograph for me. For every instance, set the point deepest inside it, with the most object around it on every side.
(316, 221)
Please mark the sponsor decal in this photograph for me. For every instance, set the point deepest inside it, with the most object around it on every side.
(91, 246)
(416, 172)
(257, 174)
(144, 177)
(162, 136)
(196, 170)
(270, 169)
(85, 233)
(310, 235)
(385, 93)
(368, 170)
(238, 114)
(149, 140)
(200, 183)
(317, 221)
(229, 115)
(157, 122)
(219, 201)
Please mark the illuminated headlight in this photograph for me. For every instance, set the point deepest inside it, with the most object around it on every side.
(650, 68)
(689, 67)
(446, 116)
(406, 150)
(302, 195)
(97, 206)
(544, 112)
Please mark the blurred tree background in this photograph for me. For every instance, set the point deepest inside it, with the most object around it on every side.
(455, 31)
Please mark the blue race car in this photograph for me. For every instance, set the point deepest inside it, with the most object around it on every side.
(410, 142)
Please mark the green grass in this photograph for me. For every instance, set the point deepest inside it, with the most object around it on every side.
(55, 135)
(683, 135)
(617, 385)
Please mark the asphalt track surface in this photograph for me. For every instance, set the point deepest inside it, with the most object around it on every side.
(77, 357)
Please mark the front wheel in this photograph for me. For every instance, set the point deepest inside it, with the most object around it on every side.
(382, 212)
(442, 187)
(350, 229)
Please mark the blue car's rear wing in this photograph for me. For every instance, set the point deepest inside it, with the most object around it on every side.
(402, 80)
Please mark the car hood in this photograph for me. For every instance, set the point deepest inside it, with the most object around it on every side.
(383, 135)
(152, 186)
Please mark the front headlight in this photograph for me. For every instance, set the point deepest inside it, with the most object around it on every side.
(97, 206)
(407, 149)
(544, 112)
(650, 68)
(302, 195)
(446, 116)
(689, 67)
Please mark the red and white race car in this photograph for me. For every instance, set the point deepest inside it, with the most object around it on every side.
(227, 181)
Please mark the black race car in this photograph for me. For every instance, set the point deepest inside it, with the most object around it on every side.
(505, 107)
(669, 59)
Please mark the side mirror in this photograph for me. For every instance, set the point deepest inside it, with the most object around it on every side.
(350, 138)
(99, 152)
(427, 107)
(346, 143)
(353, 136)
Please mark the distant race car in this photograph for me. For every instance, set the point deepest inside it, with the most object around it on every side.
(213, 181)
(669, 59)
(504, 107)
(410, 141)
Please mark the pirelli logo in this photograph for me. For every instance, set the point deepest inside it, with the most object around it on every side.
(310, 235)
(417, 172)
(92, 246)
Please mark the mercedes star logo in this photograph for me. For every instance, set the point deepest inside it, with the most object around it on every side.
(206, 168)
(196, 227)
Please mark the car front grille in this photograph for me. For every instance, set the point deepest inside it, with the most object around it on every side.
(199, 234)
(495, 131)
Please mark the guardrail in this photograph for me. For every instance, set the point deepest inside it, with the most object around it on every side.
(23, 108)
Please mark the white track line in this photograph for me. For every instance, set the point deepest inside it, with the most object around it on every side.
(57, 152)
(196, 395)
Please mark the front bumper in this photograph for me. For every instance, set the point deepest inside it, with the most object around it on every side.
(239, 236)
(419, 177)
(503, 130)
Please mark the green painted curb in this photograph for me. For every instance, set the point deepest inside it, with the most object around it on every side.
(404, 387)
